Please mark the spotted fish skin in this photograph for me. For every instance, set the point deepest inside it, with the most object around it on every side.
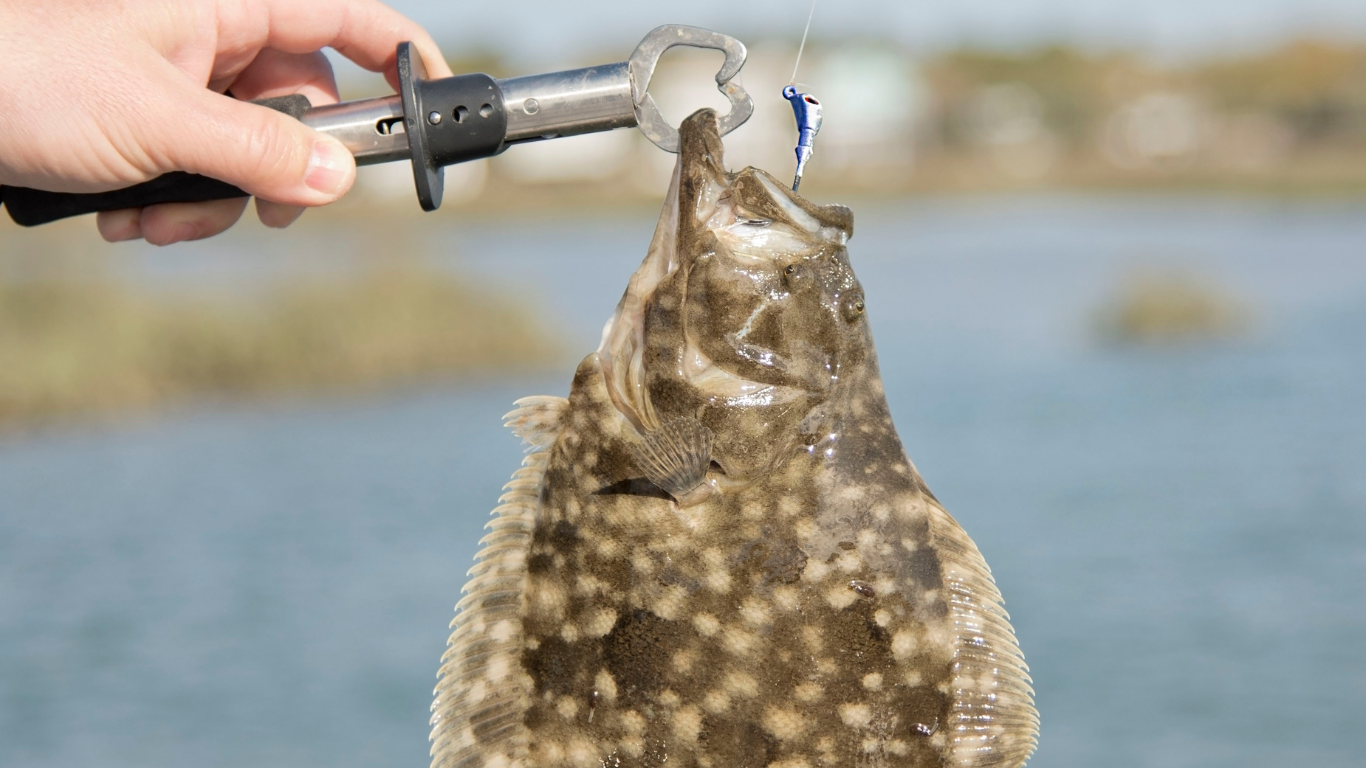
(809, 603)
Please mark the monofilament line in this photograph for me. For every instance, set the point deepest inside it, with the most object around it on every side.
(802, 47)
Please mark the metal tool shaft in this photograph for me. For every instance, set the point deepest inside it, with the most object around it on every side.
(372, 129)
(539, 107)
(554, 105)
(569, 103)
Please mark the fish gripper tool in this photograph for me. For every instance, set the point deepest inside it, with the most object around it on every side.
(808, 113)
(434, 123)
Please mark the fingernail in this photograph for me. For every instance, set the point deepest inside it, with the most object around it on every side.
(328, 167)
(276, 215)
(130, 231)
(181, 232)
(120, 226)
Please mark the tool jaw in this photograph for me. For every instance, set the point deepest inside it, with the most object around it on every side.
(642, 67)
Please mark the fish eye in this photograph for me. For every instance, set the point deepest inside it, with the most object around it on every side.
(791, 270)
(854, 308)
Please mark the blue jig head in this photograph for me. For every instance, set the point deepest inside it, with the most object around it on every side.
(808, 113)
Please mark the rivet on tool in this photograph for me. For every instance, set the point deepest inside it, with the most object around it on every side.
(808, 113)
(434, 117)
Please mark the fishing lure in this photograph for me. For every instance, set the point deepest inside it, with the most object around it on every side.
(808, 113)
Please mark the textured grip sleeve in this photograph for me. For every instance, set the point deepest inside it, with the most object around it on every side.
(30, 207)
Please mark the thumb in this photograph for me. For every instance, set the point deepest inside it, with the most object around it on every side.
(266, 153)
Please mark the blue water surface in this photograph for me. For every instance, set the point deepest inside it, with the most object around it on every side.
(1180, 533)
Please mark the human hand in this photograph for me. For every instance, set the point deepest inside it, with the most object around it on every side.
(103, 94)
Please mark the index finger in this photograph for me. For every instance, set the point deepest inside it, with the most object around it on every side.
(364, 31)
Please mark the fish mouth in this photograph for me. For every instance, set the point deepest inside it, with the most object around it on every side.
(621, 352)
(754, 220)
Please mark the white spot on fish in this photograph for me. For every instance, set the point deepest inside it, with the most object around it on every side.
(840, 596)
(632, 722)
(706, 624)
(815, 571)
(738, 641)
(502, 630)
(605, 685)
(582, 754)
(687, 723)
(903, 645)
(499, 668)
(683, 660)
(740, 684)
(856, 715)
(669, 605)
(754, 612)
(785, 724)
(601, 622)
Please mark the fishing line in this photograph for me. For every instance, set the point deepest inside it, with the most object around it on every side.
(802, 47)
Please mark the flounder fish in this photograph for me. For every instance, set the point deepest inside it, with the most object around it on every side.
(716, 553)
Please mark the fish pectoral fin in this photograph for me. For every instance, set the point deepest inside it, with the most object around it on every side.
(676, 457)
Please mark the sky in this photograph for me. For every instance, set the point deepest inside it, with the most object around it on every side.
(551, 32)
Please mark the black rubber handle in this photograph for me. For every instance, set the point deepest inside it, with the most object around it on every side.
(31, 207)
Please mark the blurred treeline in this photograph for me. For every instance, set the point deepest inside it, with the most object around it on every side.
(1290, 119)
(1296, 114)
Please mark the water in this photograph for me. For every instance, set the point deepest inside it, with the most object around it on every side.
(1180, 534)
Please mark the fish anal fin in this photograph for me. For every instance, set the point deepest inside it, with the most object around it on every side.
(481, 677)
(994, 722)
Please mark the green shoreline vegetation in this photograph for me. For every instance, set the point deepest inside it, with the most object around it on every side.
(95, 348)
(1156, 310)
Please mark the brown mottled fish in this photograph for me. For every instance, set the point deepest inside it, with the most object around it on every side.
(717, 553)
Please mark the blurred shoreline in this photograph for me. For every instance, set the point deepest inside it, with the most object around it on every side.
(78, 340)
(82, 345)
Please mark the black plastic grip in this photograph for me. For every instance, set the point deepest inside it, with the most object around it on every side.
(31, 207)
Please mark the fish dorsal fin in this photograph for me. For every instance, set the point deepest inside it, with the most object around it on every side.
(676, 456)
(992, 718)
(482, 691)
(537, 420)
